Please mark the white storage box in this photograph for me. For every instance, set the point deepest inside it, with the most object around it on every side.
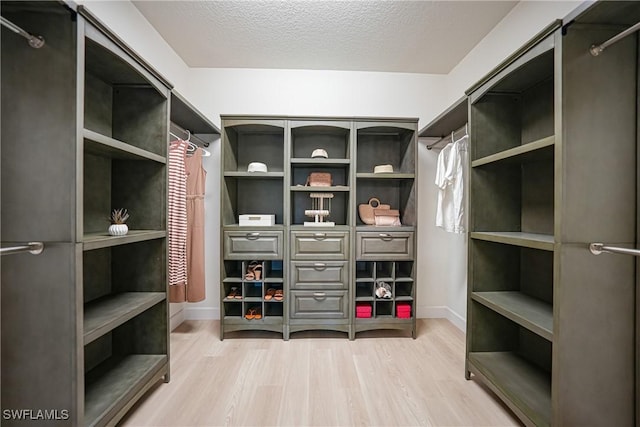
(257, 220)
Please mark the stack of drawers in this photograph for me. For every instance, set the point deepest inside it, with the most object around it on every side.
(319, 285)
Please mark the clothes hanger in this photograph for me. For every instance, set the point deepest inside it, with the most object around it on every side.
(191, 146)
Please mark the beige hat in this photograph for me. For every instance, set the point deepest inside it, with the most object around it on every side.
(320, 152)
(257, 167)
(383, 169)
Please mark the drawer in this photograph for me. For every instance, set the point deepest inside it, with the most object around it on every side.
(253, 244)
(396, 245)
(319, 275)
(319, 305)
(322, 245)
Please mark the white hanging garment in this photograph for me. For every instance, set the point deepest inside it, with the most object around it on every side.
(450, 183)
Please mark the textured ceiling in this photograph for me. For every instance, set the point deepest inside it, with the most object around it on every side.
(392, 36)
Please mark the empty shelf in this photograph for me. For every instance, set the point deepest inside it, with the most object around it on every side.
(386, 175)
(104, 240)
(106, 146)
(527, 152)
(118, 387)
(528, 312)
(108, 313)
(528, 240)
(524, 387)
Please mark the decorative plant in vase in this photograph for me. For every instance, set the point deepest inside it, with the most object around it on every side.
(118, 220)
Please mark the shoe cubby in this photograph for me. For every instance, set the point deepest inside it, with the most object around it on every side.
(273, 271)
(233, 271)
(383, 308)
(252, 291)
(232, 309)
(365, 270)
(365, 291)
(384, 271)
(402, 290)
(245, 195)
(403, 271)
(516, 115)
(333, 137)
(254, 142)
(392, 145)
(121, 104)
(273, 309)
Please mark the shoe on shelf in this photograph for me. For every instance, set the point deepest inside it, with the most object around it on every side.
(279, 295)
(258, 313)
(269, 294)
(234, 293)
(254, 271)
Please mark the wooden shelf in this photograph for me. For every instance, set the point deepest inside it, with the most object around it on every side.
(102, 145)
(528, 152)
(302, 161)
(120, 386)
(309, 189)
(524, 387)
(544, 242)
(253, 175)
(103, 240)
(108, 313)
(404, 298)
(366, 175)
(528, 312)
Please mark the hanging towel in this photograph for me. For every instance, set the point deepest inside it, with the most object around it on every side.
(177, 221)
(450, 183)
(196, 177)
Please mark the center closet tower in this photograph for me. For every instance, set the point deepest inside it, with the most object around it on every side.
(312, 277)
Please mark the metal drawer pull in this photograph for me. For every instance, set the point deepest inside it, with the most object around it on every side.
(252, 236)
(319, 266)
(319, 236)
(319, 295)
(598, 248)
(385, 236)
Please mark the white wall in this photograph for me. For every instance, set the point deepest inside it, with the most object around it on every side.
(442, 264)
(321, 93)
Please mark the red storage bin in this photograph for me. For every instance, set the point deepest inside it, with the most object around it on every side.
(363, 310)
(403, 310)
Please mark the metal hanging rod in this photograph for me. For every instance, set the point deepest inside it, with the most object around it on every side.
(190, 136)
(598, 248)
(598, 49)
(450, 137)
(34, 248)
(35, 42)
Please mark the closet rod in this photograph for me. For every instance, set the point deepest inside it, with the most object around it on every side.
(189, 135)
(445, 138)
(35, 42)
(598, 248)
(597, 50)
(34, 248)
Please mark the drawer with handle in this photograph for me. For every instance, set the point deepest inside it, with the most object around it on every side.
(319, 275)
(395, 245)
(330, 245)
(319, 305)
(253, 244)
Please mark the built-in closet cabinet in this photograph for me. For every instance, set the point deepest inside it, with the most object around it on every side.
(322, 271)
(552, 169)
(85, 130)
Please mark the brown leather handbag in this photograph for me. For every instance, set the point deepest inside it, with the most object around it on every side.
(319, 179)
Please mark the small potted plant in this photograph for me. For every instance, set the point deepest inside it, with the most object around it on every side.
(118, 220)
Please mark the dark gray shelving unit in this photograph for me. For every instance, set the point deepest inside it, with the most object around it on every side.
(315, 265)
(541, 308)
(93, 306)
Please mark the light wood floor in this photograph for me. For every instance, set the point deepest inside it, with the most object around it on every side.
(383, 378)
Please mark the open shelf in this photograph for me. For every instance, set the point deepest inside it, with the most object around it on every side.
(103, 240)
(303, 161)
(109, 147)
(533, 151)
(309, 189)
(528, 388)
(112, 311)
(109, 390)
(528, 240)
(528, 312)
(392, 175)
(254, 175)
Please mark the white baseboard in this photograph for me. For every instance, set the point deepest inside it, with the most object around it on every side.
(176, 319)
(442, 312)
(202, 313)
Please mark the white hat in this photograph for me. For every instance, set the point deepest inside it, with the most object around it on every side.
(320, 152)
(257, 167)
(383, 169)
